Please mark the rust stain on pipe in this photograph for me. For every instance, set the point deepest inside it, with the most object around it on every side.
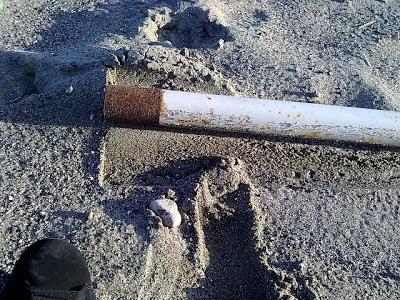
(133, 105)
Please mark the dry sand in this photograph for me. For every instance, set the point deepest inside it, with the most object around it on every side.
(262, 219)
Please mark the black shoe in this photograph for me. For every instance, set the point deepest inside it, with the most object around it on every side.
(50, 269)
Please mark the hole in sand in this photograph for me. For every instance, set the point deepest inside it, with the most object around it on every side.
(193, 28)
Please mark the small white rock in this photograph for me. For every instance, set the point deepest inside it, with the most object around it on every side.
(91, 215)
(220, 44)
(302, 266)
(167, 210)
(69, 89)
(94, 215)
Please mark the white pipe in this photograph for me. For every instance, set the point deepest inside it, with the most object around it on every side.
(295, 119)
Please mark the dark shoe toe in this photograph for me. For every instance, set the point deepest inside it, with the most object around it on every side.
(49, 265)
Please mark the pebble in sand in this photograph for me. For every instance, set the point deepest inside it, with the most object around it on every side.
(167, 210)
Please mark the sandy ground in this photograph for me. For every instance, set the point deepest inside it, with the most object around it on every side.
(263, 219)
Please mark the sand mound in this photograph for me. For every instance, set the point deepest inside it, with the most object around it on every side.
(214, 253)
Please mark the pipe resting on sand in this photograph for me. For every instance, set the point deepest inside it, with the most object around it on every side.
(152, 106)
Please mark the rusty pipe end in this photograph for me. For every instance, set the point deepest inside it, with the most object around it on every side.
(133, 105)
